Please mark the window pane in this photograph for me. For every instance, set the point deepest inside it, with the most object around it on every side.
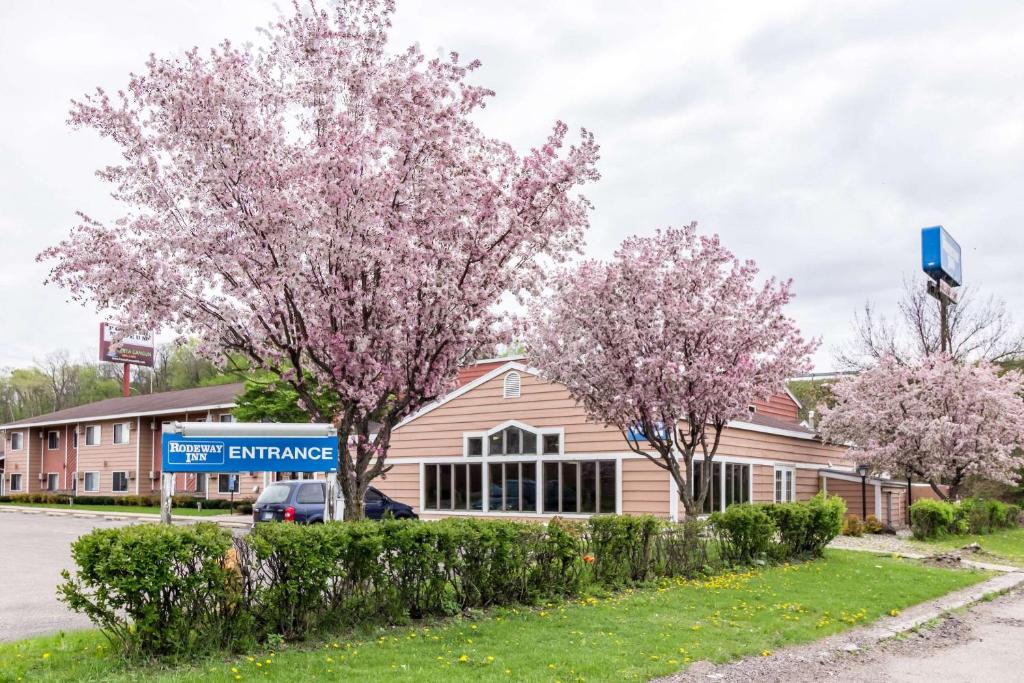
(528, 486)
(551, 444)
(607, 486)
(512, 441)
(569, 502)
(588, 486)
(461, 488)
(445, 476)
(476, 487)
(309, 493)
(512, 487)
(494, 444)
(716, 487)
(475, 445)
(551, 487)
(529, 443)
(495, 487)
(118, 433)
(431, 487)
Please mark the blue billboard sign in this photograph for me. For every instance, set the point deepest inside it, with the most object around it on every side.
(940, 256)
(249, 453)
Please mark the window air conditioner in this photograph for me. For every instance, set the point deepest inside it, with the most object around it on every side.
(81, 476)
(153, 474)
(42, 477)
(131, 475)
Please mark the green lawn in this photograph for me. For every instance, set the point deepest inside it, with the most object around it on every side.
(634, 635)
(1007, 545)
(113, 509)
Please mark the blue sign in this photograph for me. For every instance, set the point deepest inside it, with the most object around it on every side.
(636, 433)
(249, 453)
(940, 255)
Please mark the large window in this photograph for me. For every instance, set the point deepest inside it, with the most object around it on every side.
(52, 440)
(92, 435)
(785, 484)
(120, 482)
(512, 486)
(17, 440)
(52, 481)
(92, 482)
(580, 487)
(453, 487)
(730, 483)
(512, 441)
(15, 482)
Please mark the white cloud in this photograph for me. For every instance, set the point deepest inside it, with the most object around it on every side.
(816, 138)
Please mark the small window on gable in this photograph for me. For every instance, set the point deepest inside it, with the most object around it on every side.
(475, 445)
(512, 385)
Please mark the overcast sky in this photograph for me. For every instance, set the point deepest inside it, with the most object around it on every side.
(817, 138)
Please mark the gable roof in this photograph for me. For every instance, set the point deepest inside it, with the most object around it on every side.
(201, 398)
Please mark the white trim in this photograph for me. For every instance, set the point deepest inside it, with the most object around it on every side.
(21, 479)
(466, 388)
(799, 405)
(855, 478)
(466, 436)
(505, 359)
(21, 434)
(117, 416)
(138, 455)
(673, 499)
(751, 427)
(623, 455)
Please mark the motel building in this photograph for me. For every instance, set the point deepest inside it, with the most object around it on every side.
(504, 443)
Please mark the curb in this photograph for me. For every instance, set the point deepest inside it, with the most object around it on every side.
(122, 516)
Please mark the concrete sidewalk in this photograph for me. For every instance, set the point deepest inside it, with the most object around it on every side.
(228, 521)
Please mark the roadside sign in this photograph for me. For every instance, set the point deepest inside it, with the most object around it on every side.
(133, 350)
(940, 256)
(211, 447)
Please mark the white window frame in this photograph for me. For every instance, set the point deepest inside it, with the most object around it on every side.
(21, 441)
(113, 476)
(539, 431)
(56, 433)
(126, 430)
(229, 416)
(784, 470)
(99, 437)
(56, 476)
(466, 436)
(85, 483)
(16, 476)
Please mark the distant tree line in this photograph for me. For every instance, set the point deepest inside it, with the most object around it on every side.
(57, 381)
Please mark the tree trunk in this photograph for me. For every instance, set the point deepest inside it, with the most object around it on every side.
(953, 490)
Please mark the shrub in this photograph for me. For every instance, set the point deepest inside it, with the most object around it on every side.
(933, 518)
(873, 525)
(853, 526)
(746, 533)
(826, 523)
(684, 550)
(623, 548)
(157, 590)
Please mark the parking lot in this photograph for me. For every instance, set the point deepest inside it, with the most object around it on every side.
(36, 547)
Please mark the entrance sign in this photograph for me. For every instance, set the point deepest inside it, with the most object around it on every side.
(940, 256)
(232, 447)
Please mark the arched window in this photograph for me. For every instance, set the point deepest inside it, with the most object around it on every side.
(512, 385)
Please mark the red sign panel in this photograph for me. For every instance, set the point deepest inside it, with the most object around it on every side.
(133, 350)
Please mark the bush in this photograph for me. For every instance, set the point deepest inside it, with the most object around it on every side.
(156, 589)
(623, 548)
(804, 529)
(853, 526)
(933, 518)
(746, 533)
(873, 525)
(684, 550)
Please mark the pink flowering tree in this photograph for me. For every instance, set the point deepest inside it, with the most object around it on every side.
(670, 340)
(327, 211)
(939, 420)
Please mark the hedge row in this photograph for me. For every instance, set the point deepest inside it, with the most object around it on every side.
(935, 518)
(166, 590)
(152, 500)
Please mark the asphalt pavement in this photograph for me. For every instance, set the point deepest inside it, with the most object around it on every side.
(34, 548)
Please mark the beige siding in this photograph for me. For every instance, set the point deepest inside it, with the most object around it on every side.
(645, 488)
(106, 457)
(402, 483)
(764, 484)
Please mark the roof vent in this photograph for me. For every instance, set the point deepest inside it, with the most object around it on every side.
(752, 409)
(512, 385)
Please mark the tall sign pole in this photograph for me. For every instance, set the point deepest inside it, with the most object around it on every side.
(126, 384)
(940, 260)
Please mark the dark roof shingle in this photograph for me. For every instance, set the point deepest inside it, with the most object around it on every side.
(165, 402)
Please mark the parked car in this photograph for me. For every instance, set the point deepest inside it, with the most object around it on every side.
(303, 502)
